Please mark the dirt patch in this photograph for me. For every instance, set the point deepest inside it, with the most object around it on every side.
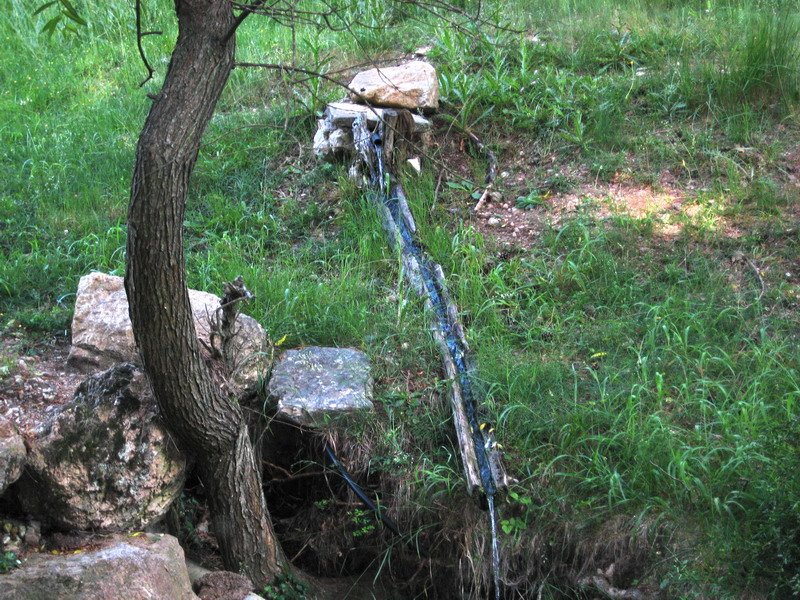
(512, 225)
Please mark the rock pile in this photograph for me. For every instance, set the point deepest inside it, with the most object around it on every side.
(412, 86)
(103, 461)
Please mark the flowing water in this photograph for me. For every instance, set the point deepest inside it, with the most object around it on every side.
(391, 196)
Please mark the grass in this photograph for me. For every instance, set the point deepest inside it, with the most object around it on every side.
(636, 380)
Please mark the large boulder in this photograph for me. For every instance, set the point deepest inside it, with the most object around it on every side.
(12, 454)
(144, 567)
(102, 334)
(413, 85)
(105, 462)
(313, 384)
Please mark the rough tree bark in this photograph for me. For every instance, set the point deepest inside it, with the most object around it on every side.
(210, 426)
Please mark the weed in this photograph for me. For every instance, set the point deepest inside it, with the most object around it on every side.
(362, 521)
(764, 67)
(530, 200)
(8, 561)
(285, 586)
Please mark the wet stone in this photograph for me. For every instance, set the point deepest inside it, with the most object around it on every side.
(313, 384)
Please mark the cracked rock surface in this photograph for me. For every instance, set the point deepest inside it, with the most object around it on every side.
(105, 462)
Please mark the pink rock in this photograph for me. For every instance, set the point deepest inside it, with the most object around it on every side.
(102, 334)
(412, 85)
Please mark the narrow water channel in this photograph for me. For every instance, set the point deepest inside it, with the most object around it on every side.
(387, 191)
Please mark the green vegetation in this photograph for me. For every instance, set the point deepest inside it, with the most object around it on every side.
(285, 587)
(8, 561)
(642, 368)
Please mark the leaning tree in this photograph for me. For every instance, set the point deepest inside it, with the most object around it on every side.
(208, 423)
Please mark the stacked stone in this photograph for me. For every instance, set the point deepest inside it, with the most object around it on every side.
(412, 85)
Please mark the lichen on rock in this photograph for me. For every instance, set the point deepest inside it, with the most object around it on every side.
(105, 462)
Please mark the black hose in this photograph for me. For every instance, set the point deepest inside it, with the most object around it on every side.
(362, 495)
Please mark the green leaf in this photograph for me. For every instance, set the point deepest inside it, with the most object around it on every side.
(70, 11)
(50, 26)
(44, 7)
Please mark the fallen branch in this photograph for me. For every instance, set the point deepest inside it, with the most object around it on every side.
(755, 269)
(491, 171)
(740, 257)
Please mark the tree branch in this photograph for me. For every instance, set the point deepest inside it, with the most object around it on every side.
(246, 12)
(139, 36)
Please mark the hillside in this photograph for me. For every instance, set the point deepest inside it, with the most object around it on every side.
(630, 287)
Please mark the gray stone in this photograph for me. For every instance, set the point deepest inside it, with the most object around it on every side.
(12, 454)
(322, 147)
(105, 461)
(33, 534)
(311, 384)
(334, 135)
(102, 334)
(340, 140)
(412, 85)
(342, 114)
(145, 567)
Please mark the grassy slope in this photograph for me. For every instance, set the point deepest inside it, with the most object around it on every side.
(637, 380)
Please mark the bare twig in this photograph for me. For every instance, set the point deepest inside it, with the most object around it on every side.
(482, 199)
(139, 36)
(290, 69)
(276, 468)
(296, 476)
(755, 269)
(740, 257)
(246, 12)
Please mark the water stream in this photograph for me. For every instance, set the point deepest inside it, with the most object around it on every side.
(391, 195)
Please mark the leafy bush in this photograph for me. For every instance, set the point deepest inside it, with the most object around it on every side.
(8, 561)
(285, 586)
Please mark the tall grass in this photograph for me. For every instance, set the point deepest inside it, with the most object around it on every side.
(638, 384)
(764, 66)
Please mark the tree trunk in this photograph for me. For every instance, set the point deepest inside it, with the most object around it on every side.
(208, 425)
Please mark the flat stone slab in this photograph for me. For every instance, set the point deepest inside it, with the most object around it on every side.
(342, 114)
(334, 135)
(313, 383)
